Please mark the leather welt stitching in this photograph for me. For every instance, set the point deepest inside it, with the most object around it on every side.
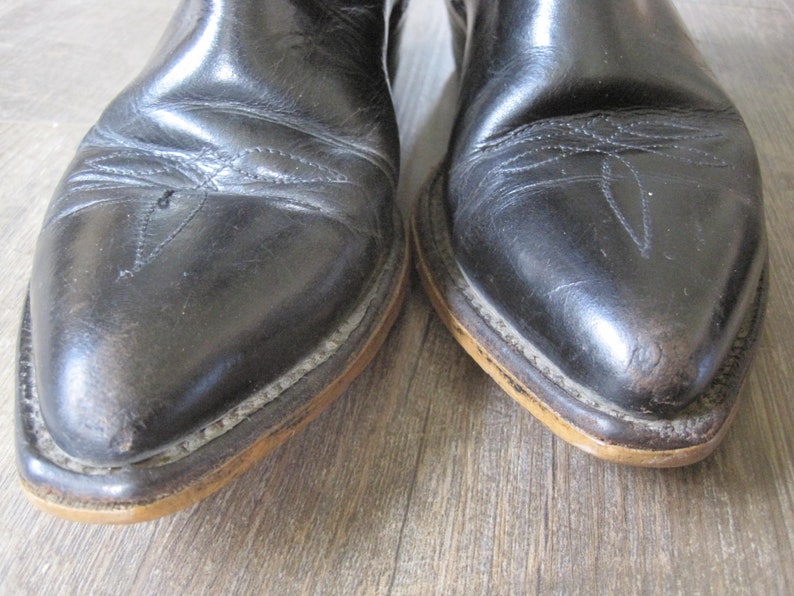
(615, 142)
(173, 161)
(181, 165)
(684, 130)
(606, 186)
(335, 175)
(141, 260)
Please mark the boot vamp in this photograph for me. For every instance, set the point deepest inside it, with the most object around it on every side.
(223, 220)
(629, 260)
(607, 200)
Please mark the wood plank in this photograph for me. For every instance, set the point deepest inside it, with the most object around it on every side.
(424, 478)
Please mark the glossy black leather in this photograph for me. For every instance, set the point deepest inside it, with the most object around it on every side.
(604, 194)
(227, 211)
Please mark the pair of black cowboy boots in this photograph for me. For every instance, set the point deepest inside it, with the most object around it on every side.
(224, 254)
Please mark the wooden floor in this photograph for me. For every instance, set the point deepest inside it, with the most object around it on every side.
(423, 478)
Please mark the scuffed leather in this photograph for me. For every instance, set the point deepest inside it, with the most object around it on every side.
(227, 211)
(604, 193)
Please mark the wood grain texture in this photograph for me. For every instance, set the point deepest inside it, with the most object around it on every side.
(423, 478)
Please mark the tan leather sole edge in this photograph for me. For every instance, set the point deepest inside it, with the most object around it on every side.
(223, 475)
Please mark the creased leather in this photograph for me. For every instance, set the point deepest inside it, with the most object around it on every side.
(227, 211)
(604, 193)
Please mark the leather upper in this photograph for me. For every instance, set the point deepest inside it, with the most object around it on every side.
(227, 211)
(604, 194)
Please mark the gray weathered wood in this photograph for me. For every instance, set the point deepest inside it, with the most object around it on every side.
(423, 478)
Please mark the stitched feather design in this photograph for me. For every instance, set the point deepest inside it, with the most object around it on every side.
(537, 157)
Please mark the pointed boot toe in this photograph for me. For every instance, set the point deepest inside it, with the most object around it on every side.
(214, 269)
(596, 236)
(134, 357)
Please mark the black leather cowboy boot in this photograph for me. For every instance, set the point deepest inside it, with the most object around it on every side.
(222, 257)
(596, 238)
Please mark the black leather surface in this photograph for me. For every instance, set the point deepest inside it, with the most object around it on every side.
(604, 194)
(228, 210)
